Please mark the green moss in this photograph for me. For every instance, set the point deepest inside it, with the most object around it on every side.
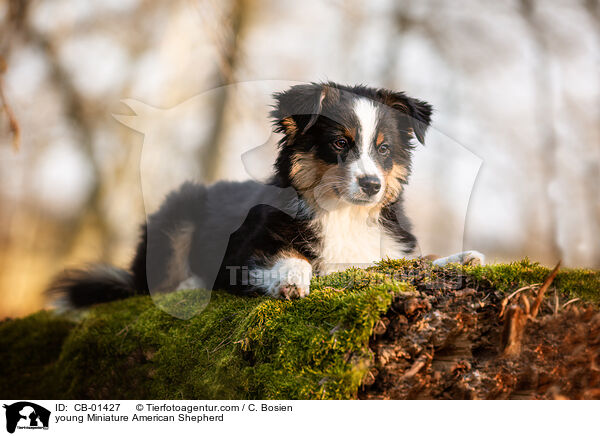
(571, 283)
(29, 349)
(236, 347)
(318, 347)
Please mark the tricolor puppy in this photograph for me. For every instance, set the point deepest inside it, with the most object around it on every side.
(334, 201)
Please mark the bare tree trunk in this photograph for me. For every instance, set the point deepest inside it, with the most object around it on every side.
(211, 153)
(591, 178)
(546, 211)
(76, 111)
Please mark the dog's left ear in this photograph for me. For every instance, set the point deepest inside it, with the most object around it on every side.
(297, 109)
(418, 111)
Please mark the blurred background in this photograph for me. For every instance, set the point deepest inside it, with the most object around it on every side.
(516, 133)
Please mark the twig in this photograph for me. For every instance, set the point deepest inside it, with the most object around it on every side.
(527, 306)
(542, 291)
(524, 288)
(416, 366)
(507, 299)
(12, 119)
(512, 333)
(570, 301)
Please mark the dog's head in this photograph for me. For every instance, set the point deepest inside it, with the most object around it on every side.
(348, 144)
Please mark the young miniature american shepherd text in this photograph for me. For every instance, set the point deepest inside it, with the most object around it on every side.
(334, 201)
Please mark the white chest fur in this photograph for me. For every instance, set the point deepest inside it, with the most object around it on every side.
(352, 236)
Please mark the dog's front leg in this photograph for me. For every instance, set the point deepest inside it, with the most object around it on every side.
(470, 257)
(287, 277)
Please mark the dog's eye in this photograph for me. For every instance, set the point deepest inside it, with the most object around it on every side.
(384, 149)
(340, 144)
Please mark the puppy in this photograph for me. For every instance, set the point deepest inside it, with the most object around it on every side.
(334, 201)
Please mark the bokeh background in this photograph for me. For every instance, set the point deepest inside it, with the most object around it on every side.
(516, 134)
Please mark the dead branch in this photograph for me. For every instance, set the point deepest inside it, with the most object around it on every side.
(516, 317)
(417, 366)
(542, 291)
(507, 299)
(570, 301)
(512, 333)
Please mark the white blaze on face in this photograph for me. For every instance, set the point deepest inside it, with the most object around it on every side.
(366, 112)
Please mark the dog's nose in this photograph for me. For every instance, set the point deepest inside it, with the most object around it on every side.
(370, 185)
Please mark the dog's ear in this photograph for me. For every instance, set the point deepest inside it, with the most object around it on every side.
(418, 112)
(297, 109)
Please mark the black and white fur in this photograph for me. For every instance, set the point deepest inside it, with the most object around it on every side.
(334, 201)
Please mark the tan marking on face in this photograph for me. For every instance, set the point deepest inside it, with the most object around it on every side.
(290, 126)
(379, 139)
(318, 182)
(393, 183)
(351, 133)
(307, 171)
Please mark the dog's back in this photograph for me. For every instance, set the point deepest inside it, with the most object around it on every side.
(186, 243)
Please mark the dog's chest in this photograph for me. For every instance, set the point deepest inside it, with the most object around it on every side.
(352, 238)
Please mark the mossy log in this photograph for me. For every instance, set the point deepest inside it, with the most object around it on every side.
(241, 347)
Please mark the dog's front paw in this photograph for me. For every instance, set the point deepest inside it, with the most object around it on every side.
(470, 257)
(193, 282)
(473, 257)
(289, 278)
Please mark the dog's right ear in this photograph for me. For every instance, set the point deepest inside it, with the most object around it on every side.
(417, 112)
(297, 109)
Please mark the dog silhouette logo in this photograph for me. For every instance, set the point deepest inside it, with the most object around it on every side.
(26, 415)
(164, 168)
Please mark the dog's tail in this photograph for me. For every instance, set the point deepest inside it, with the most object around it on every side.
(97, 284)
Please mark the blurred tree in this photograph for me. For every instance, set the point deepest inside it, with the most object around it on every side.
(228, 38)
(544, 226)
